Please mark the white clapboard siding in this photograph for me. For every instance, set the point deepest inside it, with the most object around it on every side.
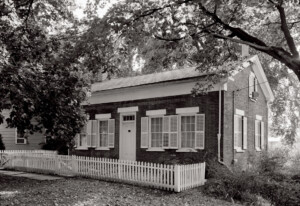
(168, 177)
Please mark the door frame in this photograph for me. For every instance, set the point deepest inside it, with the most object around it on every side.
(121, 129)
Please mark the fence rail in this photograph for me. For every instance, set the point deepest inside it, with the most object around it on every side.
(168, 177)
(29, 151)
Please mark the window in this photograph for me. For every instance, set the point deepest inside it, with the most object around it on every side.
(259, 135)
(240, 132)
(156, 131)
(20, 137)
(82, 138)
(103, 132)
(188, 126)
(97, 133)
(253, 86)
(173, 132)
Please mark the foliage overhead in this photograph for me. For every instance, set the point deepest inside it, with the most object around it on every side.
(162, 35)
(41, 83)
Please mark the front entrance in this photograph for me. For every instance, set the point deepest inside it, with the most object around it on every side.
(128, 137)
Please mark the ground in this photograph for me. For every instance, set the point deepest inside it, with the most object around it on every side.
(80, 191)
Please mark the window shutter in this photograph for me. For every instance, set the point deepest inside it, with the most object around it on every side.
(173, 131)
(251, 86)
(235, 131)
(166, 132)
(111, 133)
(89, 133)
(144, 132)
(200, 131)
(244, 132)
(94, 133)
(256, 134)
(262, 126)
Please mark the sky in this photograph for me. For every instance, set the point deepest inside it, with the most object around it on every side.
(82, 3)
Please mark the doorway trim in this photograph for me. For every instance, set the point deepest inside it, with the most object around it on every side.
(122, 114)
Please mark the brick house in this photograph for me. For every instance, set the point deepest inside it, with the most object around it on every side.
(155, 118)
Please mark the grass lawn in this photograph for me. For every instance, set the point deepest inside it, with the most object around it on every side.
(81, 191)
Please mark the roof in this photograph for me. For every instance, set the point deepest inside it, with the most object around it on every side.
(147, 79)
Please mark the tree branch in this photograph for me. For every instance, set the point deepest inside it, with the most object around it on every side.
(286, 32)
(168, 39)
(238, 32)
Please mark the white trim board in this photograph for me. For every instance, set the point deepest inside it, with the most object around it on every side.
(187, 110)
(156, 112)
(239, 112)
(128, 109)
(258, 117)
(103, 116)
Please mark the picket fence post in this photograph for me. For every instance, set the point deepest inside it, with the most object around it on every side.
(177, 180)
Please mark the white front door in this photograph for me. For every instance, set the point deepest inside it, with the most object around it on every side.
(127, 137)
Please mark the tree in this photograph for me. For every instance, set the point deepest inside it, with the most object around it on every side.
(171, 33)
(41, 83)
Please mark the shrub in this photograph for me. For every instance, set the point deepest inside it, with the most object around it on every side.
(247, 186)
(2, 146)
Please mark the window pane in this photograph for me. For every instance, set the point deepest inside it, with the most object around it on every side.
(188, 131)
(103, 140)
(103, 127)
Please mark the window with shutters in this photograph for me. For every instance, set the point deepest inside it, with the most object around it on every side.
(106, 134)
(259, 135)
(98, 134)
(173, 132)
(240, 133)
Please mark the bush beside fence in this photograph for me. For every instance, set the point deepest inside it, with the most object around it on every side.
(169, 177)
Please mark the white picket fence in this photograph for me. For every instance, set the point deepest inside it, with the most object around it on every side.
(169, 177)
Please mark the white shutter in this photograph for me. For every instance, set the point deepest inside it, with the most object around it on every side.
(166, 132)
(251, 84)
(94, 132)
(174, 131)
(262, 131)
(89, 133)
(256, 134)
(235, 131)
(111, 133)
(200, 131)
(144, 132)
(245, 133)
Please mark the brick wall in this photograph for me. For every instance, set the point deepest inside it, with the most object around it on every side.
(208, 104)
(251, 108)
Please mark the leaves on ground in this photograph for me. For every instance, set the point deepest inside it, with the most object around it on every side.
(82, 192)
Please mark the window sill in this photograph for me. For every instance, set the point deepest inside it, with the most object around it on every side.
(21, 143)
(258, 149)
(155, 150)
(253, 100)
(239, 150)
(186, 150)
(81, 148)
(102, 148)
